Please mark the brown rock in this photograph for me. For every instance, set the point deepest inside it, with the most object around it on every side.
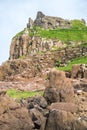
(38, 100)
(59, 89)
(13, 116)
(38, 119)
(59, 120)
(62, 120)
(50, 22)
(69, 107)
(18, 46)
(85, 74)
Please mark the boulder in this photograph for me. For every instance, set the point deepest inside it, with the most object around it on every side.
(59, 120)
(13, 116)
(62, 120)
(69, 107)
(59, 89)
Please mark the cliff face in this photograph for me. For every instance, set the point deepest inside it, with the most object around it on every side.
(25, 45)
(19, 46)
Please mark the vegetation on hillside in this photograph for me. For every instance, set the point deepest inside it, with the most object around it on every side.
(77, 32)
(79, 60)
(77, 24)
(65, 34)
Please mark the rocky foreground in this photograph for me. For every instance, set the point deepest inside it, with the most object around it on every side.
(63, 106)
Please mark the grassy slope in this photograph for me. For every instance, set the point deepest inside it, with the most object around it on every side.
(18, 94)
(77, 32)
(80, 60)
(65, 34)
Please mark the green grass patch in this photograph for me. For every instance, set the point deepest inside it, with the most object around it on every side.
(78, 24)
(65, 34)
(77, 32)
(22, 94)
(80, 60)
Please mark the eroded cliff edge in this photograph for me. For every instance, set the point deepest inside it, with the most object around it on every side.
(33, 39)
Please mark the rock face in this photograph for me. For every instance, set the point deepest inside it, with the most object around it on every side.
(59, 88)
(18, 46)
(49, 22)
(25, 45)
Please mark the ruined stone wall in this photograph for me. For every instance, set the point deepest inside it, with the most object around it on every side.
(48, 22)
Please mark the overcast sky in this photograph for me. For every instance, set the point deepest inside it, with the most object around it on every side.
(14, 15)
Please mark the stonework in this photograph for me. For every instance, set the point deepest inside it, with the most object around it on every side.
(48, 22)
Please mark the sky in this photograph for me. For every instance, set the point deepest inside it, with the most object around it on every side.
(14, 16)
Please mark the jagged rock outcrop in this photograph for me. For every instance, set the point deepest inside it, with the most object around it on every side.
(18, 46)
(30, 23)
(48, 22)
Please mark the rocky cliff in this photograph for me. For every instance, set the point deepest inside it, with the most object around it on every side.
(32, 67)
(25, 45)
(30, 41)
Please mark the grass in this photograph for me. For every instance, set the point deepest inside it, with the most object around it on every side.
(65, 34)
(77, 32)
(80, 60)
(25, 94)
(78, 24)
